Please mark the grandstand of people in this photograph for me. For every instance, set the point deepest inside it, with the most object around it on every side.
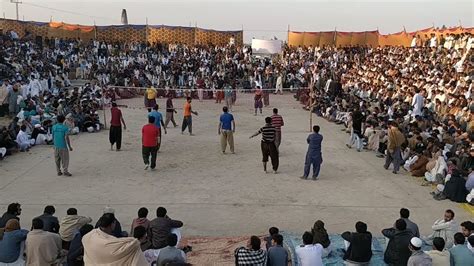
(163, 145)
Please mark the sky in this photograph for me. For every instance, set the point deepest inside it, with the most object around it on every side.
(258, 18)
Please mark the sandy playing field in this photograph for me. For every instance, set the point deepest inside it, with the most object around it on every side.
(216, 194)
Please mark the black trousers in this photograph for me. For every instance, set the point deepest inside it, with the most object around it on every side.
(269, 150)
(115, 136)
(147, 152)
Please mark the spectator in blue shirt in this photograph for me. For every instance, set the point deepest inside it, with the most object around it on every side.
(226, 130)
(10, 244)
(61, 145)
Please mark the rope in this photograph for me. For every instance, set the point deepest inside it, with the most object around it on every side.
(195, 89)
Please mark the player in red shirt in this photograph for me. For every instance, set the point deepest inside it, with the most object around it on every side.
(150, 135)
(115, 133)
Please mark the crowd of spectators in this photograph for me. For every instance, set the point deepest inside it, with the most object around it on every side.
(73, 240)
(412, 106)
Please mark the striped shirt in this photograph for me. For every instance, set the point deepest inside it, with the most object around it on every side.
(268, 133)
(277, 122)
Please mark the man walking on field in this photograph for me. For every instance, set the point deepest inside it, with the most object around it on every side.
(313, 156)
(277, 122)
(158, 123)
(187, 118)
(170, 111)
(61, 146)
(268, 144)
(226, 130)
(150, 143)
(115, 133)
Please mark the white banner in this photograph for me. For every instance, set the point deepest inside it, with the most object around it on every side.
(260, 47)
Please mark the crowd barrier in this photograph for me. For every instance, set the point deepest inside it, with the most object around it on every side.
(138, 33)
(368, 38)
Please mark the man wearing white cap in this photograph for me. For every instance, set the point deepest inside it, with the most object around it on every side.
(418, 257)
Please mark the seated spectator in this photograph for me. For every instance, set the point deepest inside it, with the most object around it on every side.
(13, 211)
(309, 254)
(161, 227)
(41, 247)
(359, 245)
(277, 255)
(50, 222)
(118, 228)
(444, 228)
(269, 239)
(23, 140)
(320, 236)
(76, 249)
(171, 253)
(140, 234)
(438, 254)
(41, 136)
(467, 228)
(102, 248)
(413, 227)
(11, 244)
(70, 224)
(397, 251)
(470, 243)
(253, 254)
(419, 167)
(460, 253)
(141, 220)
(454, 188)
(418, 257)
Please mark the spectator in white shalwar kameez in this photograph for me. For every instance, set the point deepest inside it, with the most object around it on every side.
(23, 140)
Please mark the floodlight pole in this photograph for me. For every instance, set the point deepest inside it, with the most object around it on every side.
(16, 2)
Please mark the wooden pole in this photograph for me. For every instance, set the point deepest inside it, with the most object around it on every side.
(103, 108)
(310, 111)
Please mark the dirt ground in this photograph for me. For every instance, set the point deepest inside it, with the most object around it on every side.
(216, 194)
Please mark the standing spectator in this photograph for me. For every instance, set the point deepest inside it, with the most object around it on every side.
(397, 251)
(357, 135)
(418, 257)
(444, 228)
(76, 249)
(404, 214)
(11, 242)
(161, 227)
(170, 253)
(277, 255)
(61, 145)
(41, 247)
(70, 224)
(170, 111)
(359, 245)
(13, 104)
(309, 254)
(460, 255)
(268, 145)
(438, 254)
(187, 116)
(50, 222)
(226, 130)
(277, 122)
(253, 254)
(13, 211)
(150, 97)
(150, 143)
(395, 141)
(115, 133)
(141, 220)
(313, 155)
